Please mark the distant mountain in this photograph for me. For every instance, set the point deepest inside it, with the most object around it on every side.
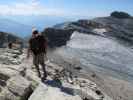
(41, 22)
(22, 25)
(6, 38)
(11, 26)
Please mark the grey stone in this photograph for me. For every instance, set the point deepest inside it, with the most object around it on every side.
(44, 92)
(7, 71)
(7, 95)
(19, 86)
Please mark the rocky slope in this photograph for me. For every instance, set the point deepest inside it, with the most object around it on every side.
(57, 37)
(20, 82)
(121, 29)
(6, 38)
(102, 46)
(101, 41)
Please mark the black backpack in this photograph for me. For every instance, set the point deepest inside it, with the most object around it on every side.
(38, 44)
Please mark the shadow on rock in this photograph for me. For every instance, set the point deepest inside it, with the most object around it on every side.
(67, 90)
(54, 83)
(58, 84)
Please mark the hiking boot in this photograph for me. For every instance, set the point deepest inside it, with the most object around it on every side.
(43, 79)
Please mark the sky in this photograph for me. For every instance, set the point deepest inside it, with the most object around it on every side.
(68, 8)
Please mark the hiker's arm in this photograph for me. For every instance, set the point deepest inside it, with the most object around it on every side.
(28, 52)
(46, 45)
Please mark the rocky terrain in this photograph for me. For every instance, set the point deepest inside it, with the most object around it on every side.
(118, 29)
(87, 60)
(19, 81)
(102, 46)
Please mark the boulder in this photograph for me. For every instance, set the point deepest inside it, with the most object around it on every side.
(7, 72)
(57, 37)
(44, 92)
(19, 86)
(10, 56)
(7, 95)
(85, 89)
(33, 78)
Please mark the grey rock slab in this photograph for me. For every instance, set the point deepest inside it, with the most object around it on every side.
(33, 78)
(8, 72)
(19, 85)
(7, 95)
(85, 91)
(44, 92)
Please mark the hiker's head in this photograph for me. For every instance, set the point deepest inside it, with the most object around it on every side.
(35, 32)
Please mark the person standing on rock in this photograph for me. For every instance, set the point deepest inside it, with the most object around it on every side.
(38, 46)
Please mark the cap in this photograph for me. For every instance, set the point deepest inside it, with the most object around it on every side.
(34, 29)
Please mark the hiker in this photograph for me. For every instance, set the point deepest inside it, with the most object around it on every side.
(37, 46)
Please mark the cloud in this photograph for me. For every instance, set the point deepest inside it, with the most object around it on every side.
(33, 7)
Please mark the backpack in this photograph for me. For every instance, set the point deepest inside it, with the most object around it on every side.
(38, 44)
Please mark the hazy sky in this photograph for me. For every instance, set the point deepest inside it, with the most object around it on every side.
(89, 8)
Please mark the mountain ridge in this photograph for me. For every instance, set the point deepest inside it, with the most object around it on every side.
(6, 38)
(120, 29)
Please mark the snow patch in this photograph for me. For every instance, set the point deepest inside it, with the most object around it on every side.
(100, 31)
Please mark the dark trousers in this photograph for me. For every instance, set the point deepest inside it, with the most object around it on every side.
(39, 60)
